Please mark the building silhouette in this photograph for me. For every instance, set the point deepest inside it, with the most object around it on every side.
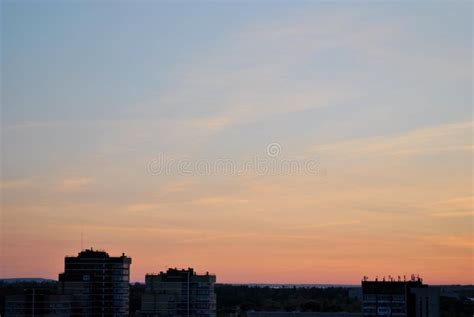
(427, 302)
(179, 293)
(97, 283)
(38, 302)
(402, 298)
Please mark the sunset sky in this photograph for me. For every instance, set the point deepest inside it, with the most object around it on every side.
(379, 94)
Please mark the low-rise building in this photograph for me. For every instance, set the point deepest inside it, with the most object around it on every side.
(401, 298)
(36, 303)
(179, 293)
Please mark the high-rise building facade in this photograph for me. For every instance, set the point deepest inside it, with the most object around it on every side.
(399, 298)
(179, 293)
(98, 283)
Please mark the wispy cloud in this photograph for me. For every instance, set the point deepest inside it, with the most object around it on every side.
(327, 224)
(450, 241)
(74, 184)
(16, 184)
(456, 207)
(142, 207)
(439, 139)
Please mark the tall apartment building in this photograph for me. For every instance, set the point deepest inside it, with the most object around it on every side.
(179, 293)
(399, 298)
(97, 282)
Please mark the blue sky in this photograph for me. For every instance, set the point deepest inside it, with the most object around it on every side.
(92, 91)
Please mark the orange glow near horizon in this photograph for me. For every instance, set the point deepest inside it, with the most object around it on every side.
(334, 227)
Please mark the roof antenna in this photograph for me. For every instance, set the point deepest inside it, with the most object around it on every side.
(82, 236)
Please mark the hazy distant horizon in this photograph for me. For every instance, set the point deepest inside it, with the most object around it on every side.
(250, 284)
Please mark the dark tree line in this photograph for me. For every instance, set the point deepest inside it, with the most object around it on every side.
(242, 298)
